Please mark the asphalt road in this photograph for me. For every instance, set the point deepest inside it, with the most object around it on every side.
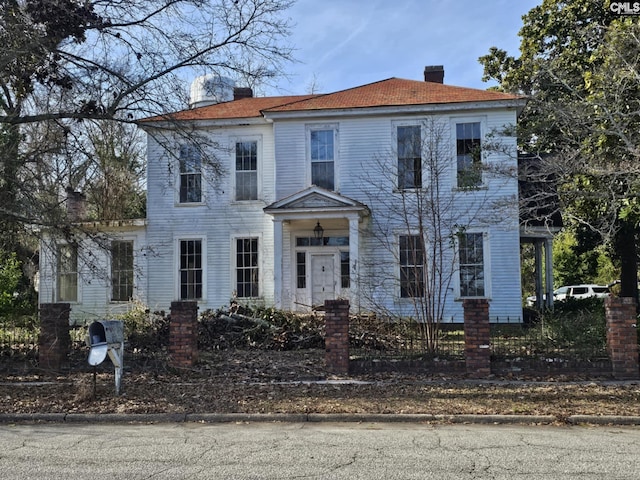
(317, 451)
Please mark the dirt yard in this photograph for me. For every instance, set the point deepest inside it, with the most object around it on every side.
(248, 381)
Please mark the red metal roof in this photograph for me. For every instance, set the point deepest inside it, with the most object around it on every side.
(386, 93)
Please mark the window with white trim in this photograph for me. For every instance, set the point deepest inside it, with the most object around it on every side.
(247, 268)
(411, 266)
(409, 149)
(191, 271)
(246, 165)
(67, 273)
(190, 174)
(121, 270)
(469, 154)
(471, 259)
(322, 157)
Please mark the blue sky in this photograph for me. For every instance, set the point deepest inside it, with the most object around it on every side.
(346, 43)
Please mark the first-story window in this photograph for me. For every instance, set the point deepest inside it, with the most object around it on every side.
(247, 270)
(471, 265)
(191, 269)
(411, 266)
(121, 270)
(67, 273)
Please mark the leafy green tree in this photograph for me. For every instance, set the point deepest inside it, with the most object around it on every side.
(577, 59)
(10, 275)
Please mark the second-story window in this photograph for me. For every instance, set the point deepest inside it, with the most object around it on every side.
(247, 170)
(409, 157)
(190, 174)
(322, 149)
(469, 155)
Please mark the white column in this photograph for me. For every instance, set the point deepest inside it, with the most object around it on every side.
(354, 264)
(277, 262)
(548, 270)
(540, 283)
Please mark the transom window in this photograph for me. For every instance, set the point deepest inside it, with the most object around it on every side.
(469, 155)
(191, 269)
(121, 270)
(190, 174)
(471, 265)
(322, 151)
(411, 266)
(409, 150)
(247, 270)
(247, 170)
(67, 273)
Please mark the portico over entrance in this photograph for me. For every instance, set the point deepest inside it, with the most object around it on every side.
(316, 248)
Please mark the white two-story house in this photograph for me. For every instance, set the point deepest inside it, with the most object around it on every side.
(380, 194)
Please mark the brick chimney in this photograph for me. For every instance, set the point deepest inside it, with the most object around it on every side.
(242, 92)
(76, 205)
(434, 73)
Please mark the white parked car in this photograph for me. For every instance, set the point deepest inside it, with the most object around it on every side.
(575, 291)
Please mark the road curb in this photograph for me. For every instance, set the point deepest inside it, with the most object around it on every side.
(603, 420)
(119, 418)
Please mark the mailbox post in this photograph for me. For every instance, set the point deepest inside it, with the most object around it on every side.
(106, 337)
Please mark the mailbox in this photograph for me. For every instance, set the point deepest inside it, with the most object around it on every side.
(106, 337)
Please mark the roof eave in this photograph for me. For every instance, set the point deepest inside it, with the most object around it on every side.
(399, 109)
(205, 122)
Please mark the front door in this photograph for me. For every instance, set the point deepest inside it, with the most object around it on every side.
(322, 279)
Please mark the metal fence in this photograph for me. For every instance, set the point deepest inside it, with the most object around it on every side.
(374, 344)
(19, 338)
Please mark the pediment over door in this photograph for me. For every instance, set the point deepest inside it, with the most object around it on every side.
(315, 199)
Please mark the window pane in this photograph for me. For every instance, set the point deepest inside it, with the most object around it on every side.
(322, 174)
(322, 145)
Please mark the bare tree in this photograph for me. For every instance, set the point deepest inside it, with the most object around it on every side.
(67, 66)
(422, 221)
(69, 61)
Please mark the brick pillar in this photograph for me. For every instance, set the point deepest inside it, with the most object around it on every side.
(54, 342)
(477, 337)
(622, 336)
(183, 334)
(336, 341)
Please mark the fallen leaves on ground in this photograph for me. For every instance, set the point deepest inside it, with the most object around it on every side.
(251, 381)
